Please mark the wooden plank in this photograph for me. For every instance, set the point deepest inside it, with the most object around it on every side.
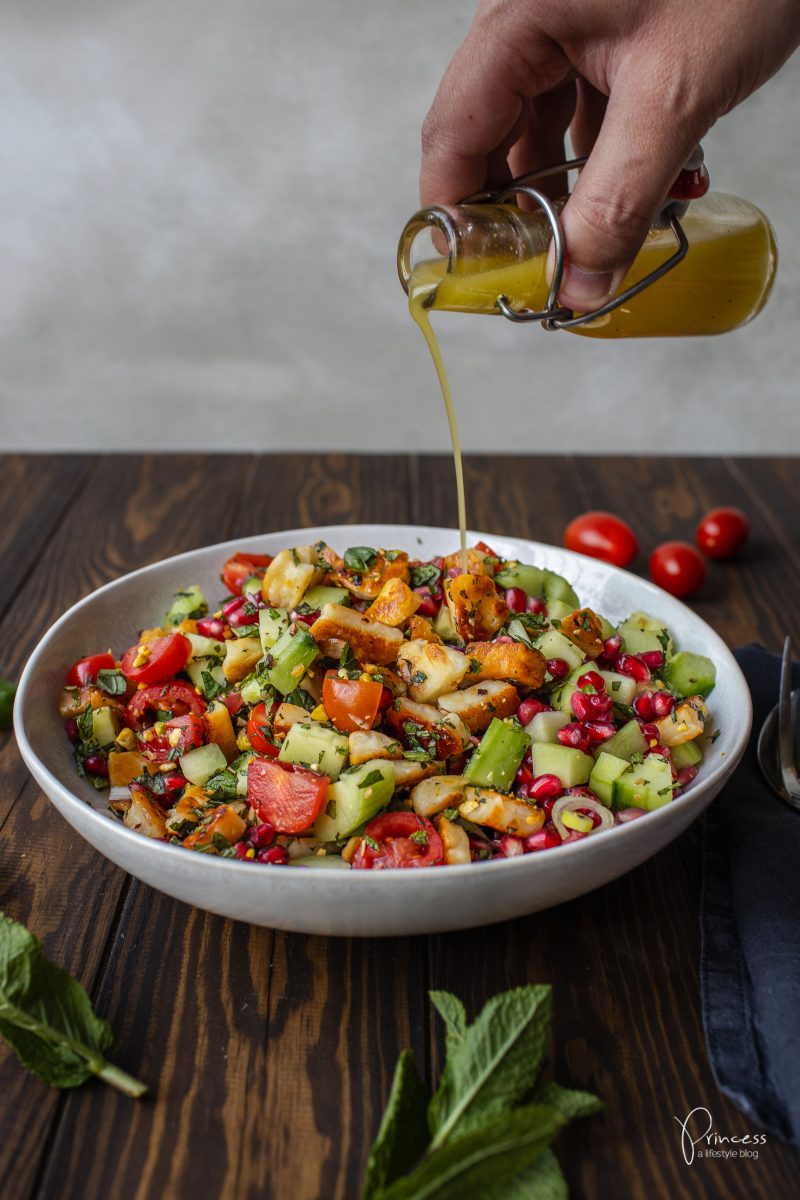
(269, 1055)
(132, 511)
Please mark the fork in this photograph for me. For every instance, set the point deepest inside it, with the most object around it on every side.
(786, 760)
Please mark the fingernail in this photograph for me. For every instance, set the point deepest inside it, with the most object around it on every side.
(583, 290)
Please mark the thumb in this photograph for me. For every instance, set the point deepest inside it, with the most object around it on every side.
(639, 152)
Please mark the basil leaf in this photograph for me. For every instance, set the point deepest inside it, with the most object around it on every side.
(360, 558)
(211, 687)
(47, 1018)
(113, 683)
(403, 1135)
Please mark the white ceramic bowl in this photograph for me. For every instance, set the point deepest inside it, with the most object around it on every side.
(362, 903)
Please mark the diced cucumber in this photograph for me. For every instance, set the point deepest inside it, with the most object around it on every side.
(641, 632)
(189, 605)
(355, 798)
(105, 725)
(607, 630)
(687, 754)
(443, 625)
(555, 645)
(572, 766)
(557, 610)
(252, 585)
(272, 623)
(292, 655)
(545, 726)
(621, 688)
(606, 770)
(690, 674)
(251, 691)
(330, 862)
(316, 746)
(648, 785)
(496, 760)
(196, 668)
(522, 575)
(518, 632)
(315, 597)
(205, 647)
(241, 773)
(556, 587)
(626, 742)
(200, 764)
(561, 698)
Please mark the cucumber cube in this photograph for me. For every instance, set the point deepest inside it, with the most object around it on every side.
(521, 575)
(292, 655)
(687, 754)
(561, 698)
(626, 742)
(621, 688)
(105, 726)
(200, 764)
(315, 597)
(189, 604)
(496, 760)
(201, 670)
(647, 785)
(641, 632)
(605, 772)
(443, 625)
(545, 726)
(555, 645)
(690, 674)
(205, 647)
(558, 609)
(272, 623)
(316, 746)
(572, 766)
(356, 797)
(557, 588)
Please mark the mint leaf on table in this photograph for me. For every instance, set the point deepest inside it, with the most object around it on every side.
(543, 1180)
(569, 1103)
(47, 1017)
(403, 1135)
(7, 693)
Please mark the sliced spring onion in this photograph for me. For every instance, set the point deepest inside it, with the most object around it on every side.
(571, 804)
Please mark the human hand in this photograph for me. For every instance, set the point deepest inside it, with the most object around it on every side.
(637, 82)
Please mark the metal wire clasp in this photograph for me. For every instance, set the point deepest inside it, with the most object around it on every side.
(555, 316)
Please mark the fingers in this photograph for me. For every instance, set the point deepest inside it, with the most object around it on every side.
(641, 146)
(541, 141)
(590, 109)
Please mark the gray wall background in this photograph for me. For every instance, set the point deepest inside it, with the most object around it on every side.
(199, 209)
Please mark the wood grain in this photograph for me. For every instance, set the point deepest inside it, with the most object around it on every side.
(269, 1055)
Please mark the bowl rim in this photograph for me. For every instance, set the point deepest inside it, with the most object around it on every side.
(106, 822)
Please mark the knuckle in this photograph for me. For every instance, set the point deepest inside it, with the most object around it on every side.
(618, 221)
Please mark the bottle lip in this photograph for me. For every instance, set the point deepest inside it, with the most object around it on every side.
(436, 216)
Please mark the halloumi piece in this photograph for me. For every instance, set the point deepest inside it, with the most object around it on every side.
(144, 815)
(225, 822)
(506, 660)
(584, 628)
(290, 574)
(287, 715)
(367, 584)
(371, 641)
(478, 562)
(125, 765)
(455, 842)
(686, 722)
(394, 604)
(506, 814)
(364, 746)
(407, 773)
(478, 705)
(435, 795)
(420, 627)
(430, 670)
(476, 608)
(241, 655)
(443, 733)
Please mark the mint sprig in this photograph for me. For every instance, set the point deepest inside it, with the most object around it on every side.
(486, 1131)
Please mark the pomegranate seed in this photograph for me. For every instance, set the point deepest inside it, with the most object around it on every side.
(685, 776)
(643, 706)
(527, 760)
(558, 667)
(547, 806)
(600, 731)
(304, 618)
(277, 856)
(653, 659)
(611, 650)
(516, 599)
(211, 627)
(649, 732)
(530, 708)
(429, 607)
(546, 787)
(239, 618)
(535, 604)
(96, 764)
(592, 679)
(634, 667)
(174, 783)
(574, 735)
(233, 702)
(386, 700)
(545, 839)
(263, 835)
(663, 703)
(661, 749)
(524, 778)
(590, 707)
(573, 836)
(241, 849)
(71, 729)
(511, 847)
(233, 606)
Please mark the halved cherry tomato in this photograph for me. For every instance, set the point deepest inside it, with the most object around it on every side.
(677, 568)
(722, 532)
(289, 800)
(85, 669)
(352, 704)
(163, 746)
(239, 566)
(403, 840)
(176, 697)
(164, 658)
(484, 549)
(233, 702)
(602, 535)
(259, 731)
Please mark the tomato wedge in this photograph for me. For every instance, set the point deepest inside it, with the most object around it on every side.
(351, 704)
(162, 658)
(175, 697)
(85, 669)
(239, 566)
(399, 839)
(259, 731)
(180, 734)
(289, 800)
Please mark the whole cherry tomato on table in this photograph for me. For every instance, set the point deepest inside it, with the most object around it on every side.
(399, 839)
(240, 566)
(722, 532)
(158, 660)
(602, 535)
(677, 568)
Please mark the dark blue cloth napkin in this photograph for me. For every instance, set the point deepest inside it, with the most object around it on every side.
(750, 930)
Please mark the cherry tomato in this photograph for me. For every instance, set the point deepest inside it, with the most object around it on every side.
(165, 656)
(180, 734)
(677, 568)
(175, 697)
(259, 732)
(722, 532)
(402, 839)
(85, 669)
(602, 535)
(289, 800)
(239, 566)
(351, 704)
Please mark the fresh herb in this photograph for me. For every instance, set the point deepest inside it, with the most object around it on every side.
(223, 785)
(624, 709)
(373, 845)
(211, 687)
(348, 662)
(7, 693)
(85, 723)
(247, 631)
(425, 575)
(616, 684)
(48, 1020)
(420, 836)
(360, 558)
(450, 814)
(474, 666)
(369, 780)
(418, 677)
(715, 735)
(302, 699)
(157, 783)
(417, 756)
(636, 759)
(113, 683)
(419, 738)
(489, 1125)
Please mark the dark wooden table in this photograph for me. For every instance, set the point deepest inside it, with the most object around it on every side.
(269, 1055)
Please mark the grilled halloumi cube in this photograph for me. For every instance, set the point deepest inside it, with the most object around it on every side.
(584, 628)
(394, 604)
(455, 842)
(144, 815)
(686, 722)
(287, 715)
(371, 641)
(443, 734)
(478, 562)
(241, 655)
(435, 795)
(477, 706)
(407, 773)
(419, 627)
(364, 746)
(503, 813)
(506, 660)
(430, 669)
(476, 608)
(289, 576)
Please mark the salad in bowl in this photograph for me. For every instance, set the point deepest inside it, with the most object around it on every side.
(373, 710)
